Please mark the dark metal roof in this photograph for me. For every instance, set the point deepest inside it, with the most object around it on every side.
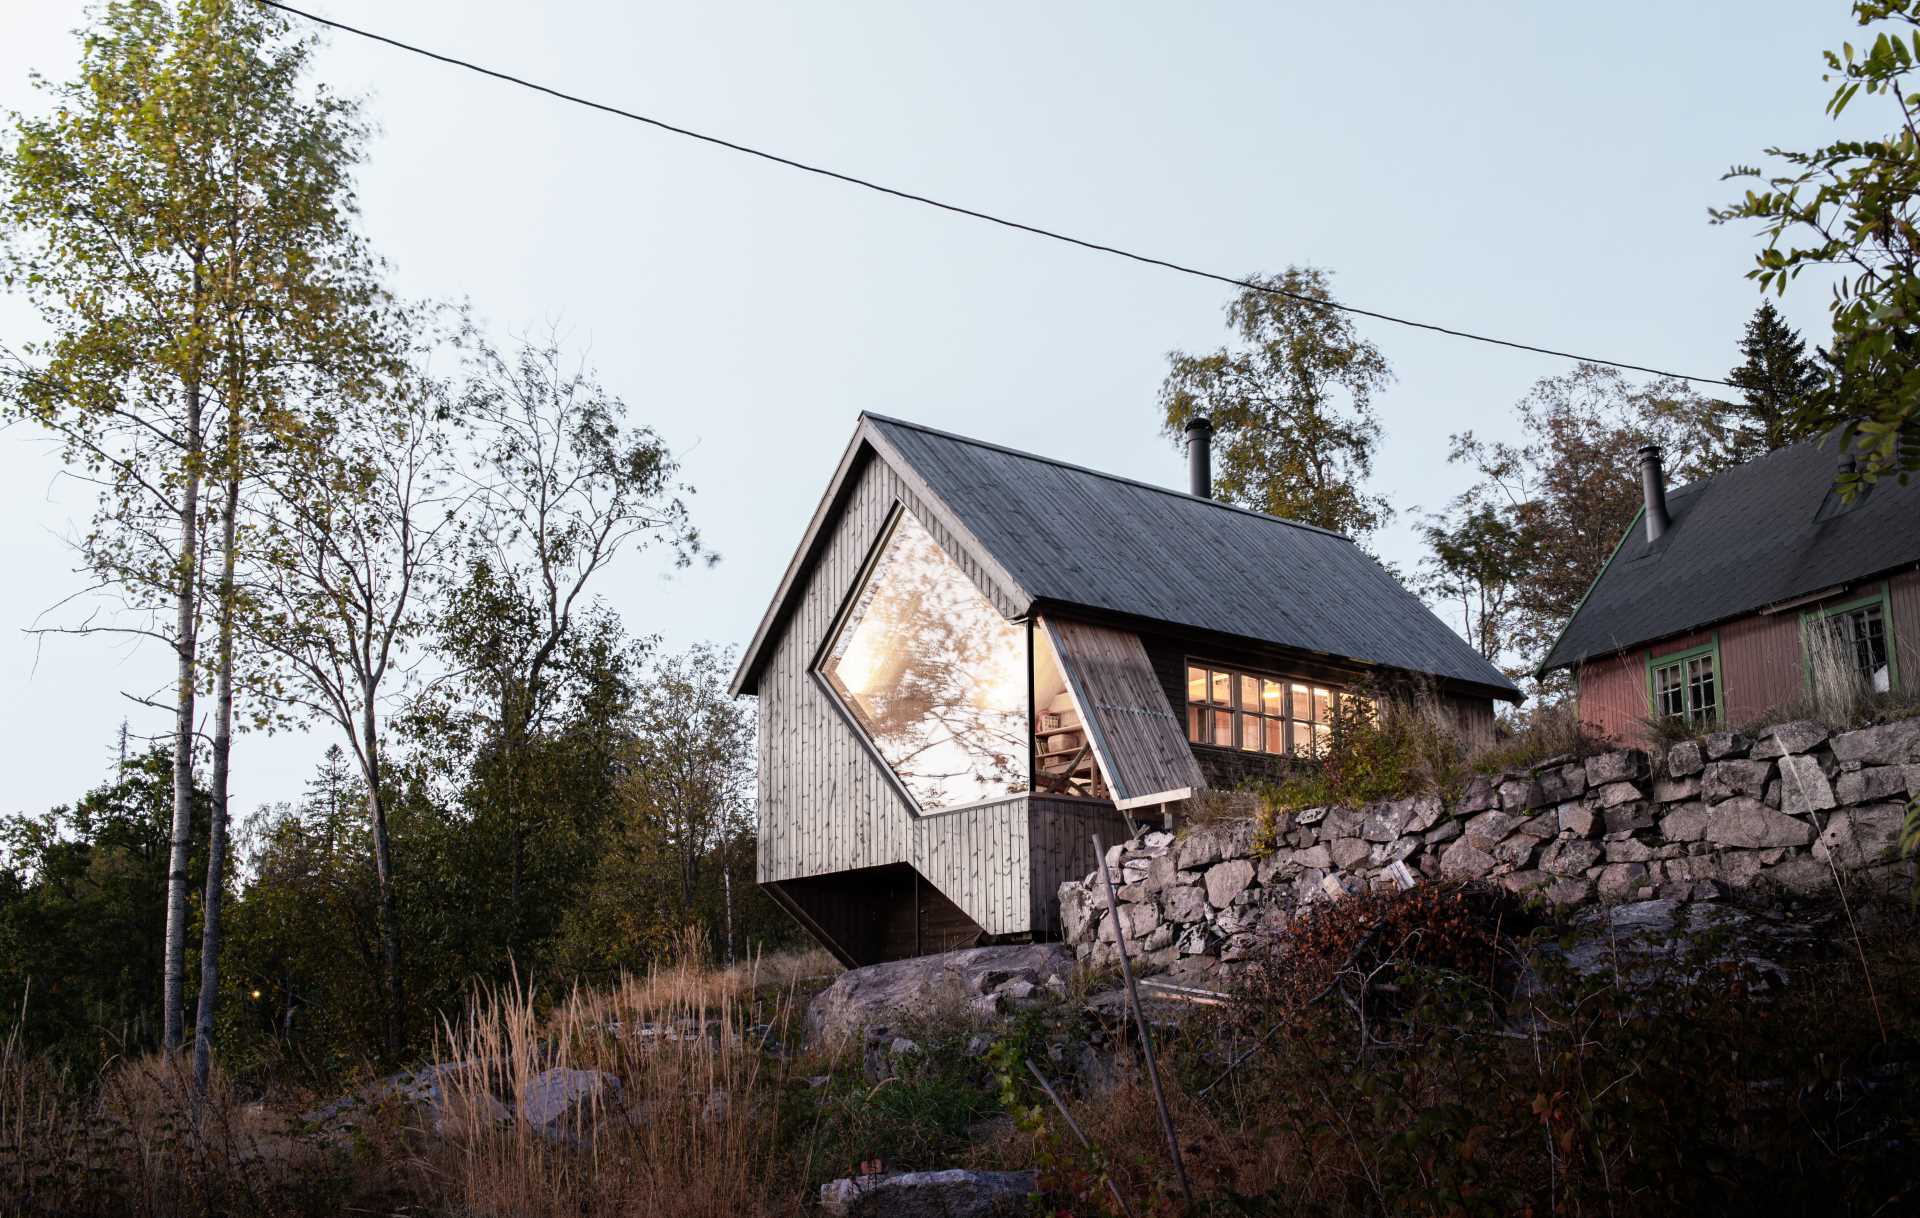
(1747, 538)
(1071, 537)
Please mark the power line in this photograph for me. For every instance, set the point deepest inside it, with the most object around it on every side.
(957, 209)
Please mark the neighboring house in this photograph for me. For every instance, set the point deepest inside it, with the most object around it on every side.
(978, 658)
(1718, 595)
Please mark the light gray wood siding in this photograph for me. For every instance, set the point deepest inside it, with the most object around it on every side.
(827, 803)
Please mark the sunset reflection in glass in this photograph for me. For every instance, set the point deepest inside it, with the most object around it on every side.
(934, 674)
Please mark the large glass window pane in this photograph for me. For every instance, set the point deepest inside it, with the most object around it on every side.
(1669, 695)
(1272, 698)
(1250, 733)
(934, 674)
(1223, 689)
(1223, 728)
(1196, 684)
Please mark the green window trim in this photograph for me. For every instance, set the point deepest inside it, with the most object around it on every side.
(1820, 613)
(1656, 662)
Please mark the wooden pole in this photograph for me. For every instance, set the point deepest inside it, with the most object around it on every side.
(1140, 1022)
(1084, 1144)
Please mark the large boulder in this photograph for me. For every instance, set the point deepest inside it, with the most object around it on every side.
(883, 993)
(1803, 785)
(1726, 780)
(1787, 739)
(1227, 880)
(930, 1194)
(1751, 824)
(1639, 940)
(556, 1100)
(1860, 837)
(1887, 744)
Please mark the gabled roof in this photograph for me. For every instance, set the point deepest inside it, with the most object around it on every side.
(1747, 538)
(1062, 536)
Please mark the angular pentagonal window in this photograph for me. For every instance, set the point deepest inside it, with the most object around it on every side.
(933, 674)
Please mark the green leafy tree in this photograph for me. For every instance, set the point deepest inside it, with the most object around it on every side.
(684, 793)
(1291, 404)
(1776, 378)
(182, 222)
(361, 532)
(1550, 509)
(1474, 564)
(1850, 206)
(82, 915)
(565, 486)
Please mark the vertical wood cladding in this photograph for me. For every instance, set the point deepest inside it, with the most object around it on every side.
(1762, 662)
(826, 803)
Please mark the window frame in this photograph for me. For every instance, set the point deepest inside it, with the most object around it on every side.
(1236, 673)
(1818, 615)
(823, 651)
(1679, 659)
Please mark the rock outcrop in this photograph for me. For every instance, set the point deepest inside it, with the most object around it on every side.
(987, 980)
(930, 1194)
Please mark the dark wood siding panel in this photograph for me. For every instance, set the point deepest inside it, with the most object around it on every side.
(1061, 836)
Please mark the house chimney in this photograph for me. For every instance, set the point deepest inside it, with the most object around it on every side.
(1200, 456)
(1653, 486)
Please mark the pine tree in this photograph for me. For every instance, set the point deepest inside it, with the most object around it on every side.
(1775, 377)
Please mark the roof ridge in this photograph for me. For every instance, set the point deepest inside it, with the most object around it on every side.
(1097, 473)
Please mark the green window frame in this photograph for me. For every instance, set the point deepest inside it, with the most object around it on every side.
(1819, 615)
(1689, 685)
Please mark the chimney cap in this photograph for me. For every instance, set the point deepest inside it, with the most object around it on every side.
(1650, 450)
(1198, 422)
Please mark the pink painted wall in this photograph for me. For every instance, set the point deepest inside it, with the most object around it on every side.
(1760, 661)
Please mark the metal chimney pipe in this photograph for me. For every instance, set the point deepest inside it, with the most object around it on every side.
(1653, 487)
(1200, 456)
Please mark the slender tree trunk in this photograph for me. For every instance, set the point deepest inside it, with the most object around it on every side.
(393, 995)
(210, 926)
(173, 967)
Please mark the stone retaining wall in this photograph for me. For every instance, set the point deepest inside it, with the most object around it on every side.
(1730, 812)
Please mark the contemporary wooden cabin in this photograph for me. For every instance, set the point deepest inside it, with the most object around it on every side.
(1725, 601)
(978, 658)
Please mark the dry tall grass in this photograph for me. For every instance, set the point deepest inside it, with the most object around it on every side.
(668, 1103)
(660, 1094)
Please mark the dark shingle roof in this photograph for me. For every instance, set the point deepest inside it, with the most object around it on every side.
(1075, 537)
(1751, 536)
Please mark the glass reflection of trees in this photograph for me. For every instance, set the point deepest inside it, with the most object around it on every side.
(934, 673)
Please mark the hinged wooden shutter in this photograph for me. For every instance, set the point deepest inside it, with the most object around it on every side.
(1136, 737)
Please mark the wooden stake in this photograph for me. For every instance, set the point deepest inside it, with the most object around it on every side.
(1140, 1022)
(1074, 1125)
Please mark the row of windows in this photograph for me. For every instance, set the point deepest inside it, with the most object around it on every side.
(1852, 640)
(1234, 709)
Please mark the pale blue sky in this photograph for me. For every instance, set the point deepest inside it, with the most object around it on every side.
(1532, 170)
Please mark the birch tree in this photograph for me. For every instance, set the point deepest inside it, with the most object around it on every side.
(359, 534)
(182, 221)
(565, 487)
